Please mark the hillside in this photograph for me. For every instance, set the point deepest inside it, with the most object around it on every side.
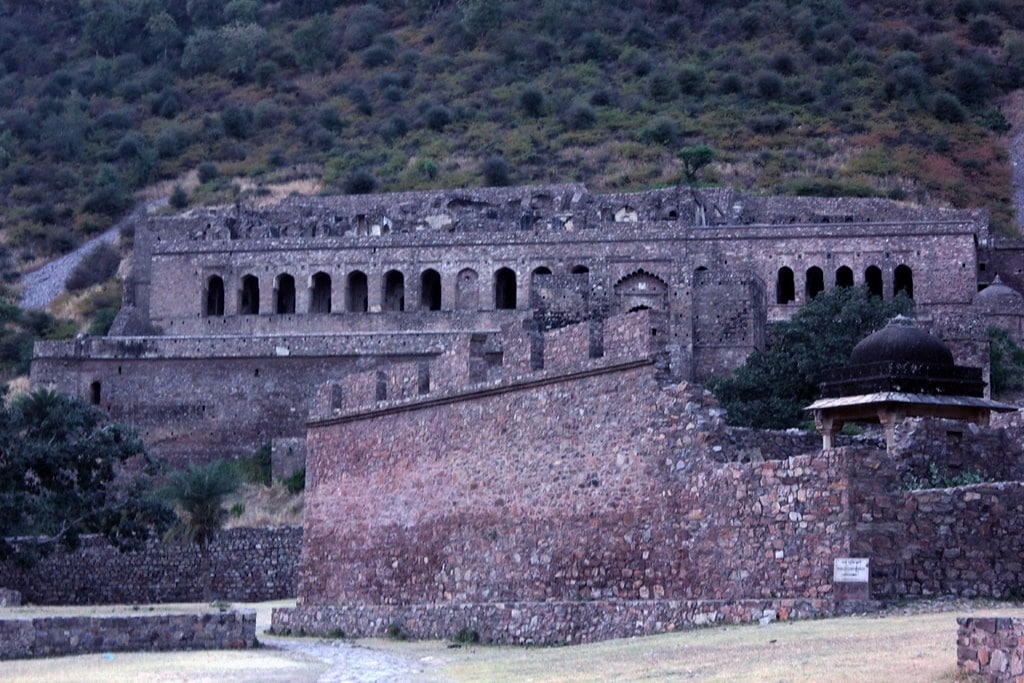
(100, 98)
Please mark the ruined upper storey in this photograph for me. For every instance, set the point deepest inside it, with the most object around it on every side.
(536, 208)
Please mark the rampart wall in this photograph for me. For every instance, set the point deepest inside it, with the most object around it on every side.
(246, 565)
(634, 499)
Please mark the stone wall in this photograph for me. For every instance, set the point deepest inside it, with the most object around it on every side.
(609, 508)
(606, 487)
(407, 277)
(247, 565)
(966, 540)
(548, 623)
(991, 649)
(57, 636)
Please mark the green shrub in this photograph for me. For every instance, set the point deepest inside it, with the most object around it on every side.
(467, 636)
(662, 86)
(1006, 360)
(437, 117)
(99, 265)
(102, 321)
(178, 198)
(496, 171)
(207, 172)
(769, 85)
(256, 469)
(296, 481)
(946, 107)
(580, 116)
(396, 632)
(360, 182)
(377, 55)
(237, 121)
(662, 130)
(691, 80)
(531, 101)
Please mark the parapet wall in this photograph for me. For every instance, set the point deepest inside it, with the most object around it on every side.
(246, 565)
(59, 636)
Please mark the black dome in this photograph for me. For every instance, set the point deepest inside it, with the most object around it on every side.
(901, 341)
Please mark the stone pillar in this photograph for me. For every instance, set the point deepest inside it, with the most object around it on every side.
(829, 428)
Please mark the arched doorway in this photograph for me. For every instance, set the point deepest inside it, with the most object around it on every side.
(320, 293)
(214, 296)
(249, 298)
(505, 289)
(430, 290)
(357, 300)
(785, 286)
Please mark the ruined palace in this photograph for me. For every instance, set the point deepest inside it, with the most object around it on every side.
(233, 315)
(496, 394)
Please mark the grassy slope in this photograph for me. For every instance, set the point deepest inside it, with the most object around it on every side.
(795, 96)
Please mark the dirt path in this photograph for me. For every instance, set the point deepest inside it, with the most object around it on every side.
(42, 286)
(348, 663)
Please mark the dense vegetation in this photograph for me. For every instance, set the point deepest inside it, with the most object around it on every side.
(772, 388)
(63, 476)
(101, 97)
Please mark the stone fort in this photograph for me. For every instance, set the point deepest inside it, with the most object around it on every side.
(233, 316)
(496, 394)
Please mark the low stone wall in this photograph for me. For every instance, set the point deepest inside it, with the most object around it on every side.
(246, 564)
(992, 649)
(56, 636)
(538, 623)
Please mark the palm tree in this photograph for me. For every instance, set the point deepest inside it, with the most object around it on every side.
(197, 494)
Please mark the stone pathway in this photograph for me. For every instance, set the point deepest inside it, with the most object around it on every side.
(348, 663)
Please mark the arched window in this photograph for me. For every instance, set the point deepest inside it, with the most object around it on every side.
(580, 270)
(320, 293)
(873, 280)
(249, 299)
(467, 290)
(284, 298)
(785, 287)
(844, 277)
(542, 270)
(430, 290)
(394, 291)
(903, 280)
(815, 282)
(215, 296)
(505, 289)
(95, 392)
(357, 293)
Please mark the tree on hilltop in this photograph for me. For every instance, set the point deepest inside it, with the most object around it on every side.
(771, 388)
(695, 158)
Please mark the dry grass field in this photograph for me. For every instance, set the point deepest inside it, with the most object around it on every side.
(917, 644)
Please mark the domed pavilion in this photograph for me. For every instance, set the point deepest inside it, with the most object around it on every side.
(898, 372)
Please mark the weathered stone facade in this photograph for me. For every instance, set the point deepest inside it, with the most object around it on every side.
(232, 316)
(57, 636)
(246, 564)
(558, 505)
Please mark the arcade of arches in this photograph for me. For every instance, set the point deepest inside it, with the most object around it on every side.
(814, 282)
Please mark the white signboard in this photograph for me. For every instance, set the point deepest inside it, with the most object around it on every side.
(850, 570)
